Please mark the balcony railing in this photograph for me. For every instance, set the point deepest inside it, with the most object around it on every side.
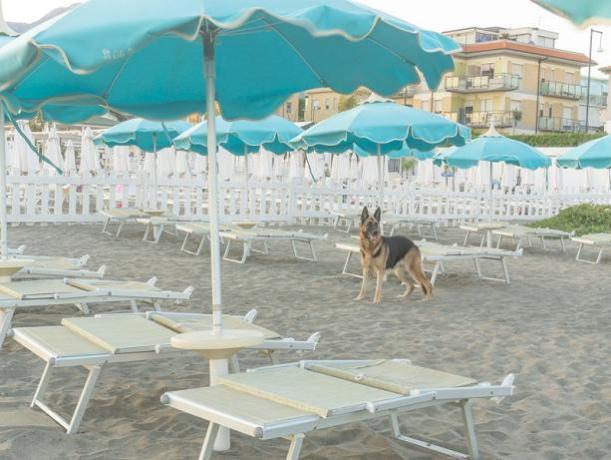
(500, 82)
(563, 90)
(560, 125)
(595, 100)
(483, 119)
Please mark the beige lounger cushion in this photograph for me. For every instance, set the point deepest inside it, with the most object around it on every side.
(601, 239)
(32, 289)
(306, 390)
(395, 376)
(59, 341)
(59, 263)
(198, 322)
(121, 333)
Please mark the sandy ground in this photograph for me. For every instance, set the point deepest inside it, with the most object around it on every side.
(551, 326)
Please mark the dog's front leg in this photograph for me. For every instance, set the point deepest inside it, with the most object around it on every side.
(377, 298)
(363, 290)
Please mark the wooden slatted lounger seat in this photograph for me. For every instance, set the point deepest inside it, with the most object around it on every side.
(288, 401)
(27, 294)
(122, 338)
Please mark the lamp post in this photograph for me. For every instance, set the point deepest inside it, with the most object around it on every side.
(539, 61)
(600, 49)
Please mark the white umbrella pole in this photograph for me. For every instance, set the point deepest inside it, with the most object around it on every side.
(3, 223)
(491, 195)
(247, 177)
(155, 171)
(218, 367)
(380, 177)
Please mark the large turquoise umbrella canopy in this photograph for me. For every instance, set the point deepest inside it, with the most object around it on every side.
(380, 126)
(495, 148)
(145, 57)
(147, 135)
(581, 12)
(404, 152)
(242, 136)
(593, 154)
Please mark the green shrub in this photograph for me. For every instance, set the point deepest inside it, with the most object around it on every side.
(583, 219)
(550, 139)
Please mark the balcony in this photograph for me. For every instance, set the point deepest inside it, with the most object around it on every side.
(562, 90)
(596, 101)
(482, 84)
(560, 125)
(482, 119)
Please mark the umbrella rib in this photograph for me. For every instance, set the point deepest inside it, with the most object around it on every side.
(304, 60)
(116, 77)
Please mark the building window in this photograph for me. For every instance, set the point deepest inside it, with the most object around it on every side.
(316, 104)
(515, 105)
(289, 107)
(438, 105)
(327, 104)
(487, 70)
(485, 105)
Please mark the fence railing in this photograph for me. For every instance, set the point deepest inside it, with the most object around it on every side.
(77, 199)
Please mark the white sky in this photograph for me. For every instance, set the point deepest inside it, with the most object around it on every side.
(436, 15)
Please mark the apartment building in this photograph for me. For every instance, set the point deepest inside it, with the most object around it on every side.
(290, 109)
(322, 103)
(607, 71)
(515, 76)
(597, 108)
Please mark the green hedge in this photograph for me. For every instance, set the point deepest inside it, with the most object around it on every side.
(582, 219)
(550, 139)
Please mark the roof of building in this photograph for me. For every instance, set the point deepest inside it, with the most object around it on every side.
(606, 69)
(526, 48)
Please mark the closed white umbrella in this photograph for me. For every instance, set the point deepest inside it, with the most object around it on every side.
(53, 153)
(181, 164)
(148, 166)
(28, 161)
(70, 159)
(120, 160)
(12, 160)
(200, 165)
(226, 164)
(508, 179)
(296, 165)
(266, 164)
(166, 162)
(90, 162)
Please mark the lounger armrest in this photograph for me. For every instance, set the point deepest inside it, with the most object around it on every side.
(188, 292)
(399, 402)
(102, 271)
(251, 316)
(83, 260)
(152, 282)
(507, 383)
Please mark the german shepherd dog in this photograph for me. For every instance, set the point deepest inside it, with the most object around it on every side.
(397, 253)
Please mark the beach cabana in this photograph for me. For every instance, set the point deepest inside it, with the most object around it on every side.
(381, 127)
(244, 61)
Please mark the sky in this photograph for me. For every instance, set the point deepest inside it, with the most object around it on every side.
(436, 15)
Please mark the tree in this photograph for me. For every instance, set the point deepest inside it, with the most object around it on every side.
(347, 102)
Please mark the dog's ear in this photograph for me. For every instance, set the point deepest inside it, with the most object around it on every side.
(378, 214)
(364, 215)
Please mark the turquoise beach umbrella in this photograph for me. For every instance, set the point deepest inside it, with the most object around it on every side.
(584, 13)
(147, 135)
(404, 152)
(495, 148)
(241, 137)
(165, 60)
(593, 154)
(381, 127)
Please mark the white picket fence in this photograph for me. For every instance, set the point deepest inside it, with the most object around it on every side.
(34, 199)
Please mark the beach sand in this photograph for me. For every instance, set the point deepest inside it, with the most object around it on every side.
(551, 327)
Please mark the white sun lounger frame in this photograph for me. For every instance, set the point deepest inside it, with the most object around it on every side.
(94, 363)
(190, 229)
(583, 241)
(347, 218)
(295, 430)
(8, 307)
(120, 220)
(438, 260)
(248, 238)
(540, 233)
(49, 272)
(396, 222)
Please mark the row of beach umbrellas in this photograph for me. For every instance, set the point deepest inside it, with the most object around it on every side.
(240, 59)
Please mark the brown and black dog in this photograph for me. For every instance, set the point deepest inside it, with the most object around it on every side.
(397, 253)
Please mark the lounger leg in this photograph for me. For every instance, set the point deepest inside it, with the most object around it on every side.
(42, 385)
(435, 273)
(335, 222)
(435, 233)
(295, 448)
(562, 244)
(581, 259)
(234, 365)
(105, 228)
(119, 228)
(466, 238)
(6, 316)
(245, 252)
(505, 270)
(206, 452)
(83, 307)
(543, 242)
(345, 270)
(81, 406)
(311, 258)
(467, 415)
(134, 306)
(499, 241)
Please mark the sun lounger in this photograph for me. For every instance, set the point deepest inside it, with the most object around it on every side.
(156, 226)
(202, 231)
(395, 222)
(599, 241)
(265, 235)
(346, 219)
(19, 295)
(519, 233)
(438, 254)
(56, 267)
(122, 338)
(121, 216)
(289, 401)
(484, 228)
